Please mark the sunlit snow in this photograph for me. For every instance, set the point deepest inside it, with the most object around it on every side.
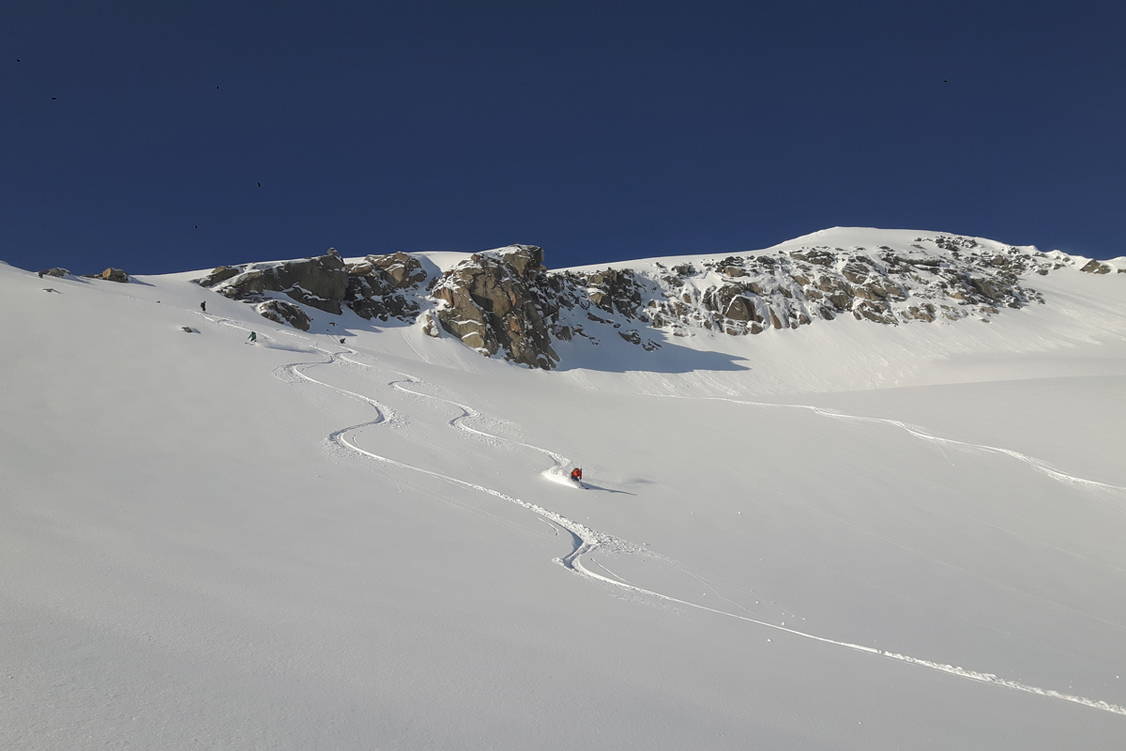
(843, 536)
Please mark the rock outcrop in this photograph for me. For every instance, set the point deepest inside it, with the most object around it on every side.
(220, 274)
(111, 275)
(281, 311)
(1096, 267)
(754, 293)
(318, 282)
(380, 286)
(499, 301)
(506, 303)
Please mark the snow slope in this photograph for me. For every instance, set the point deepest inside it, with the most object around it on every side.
(842, 536)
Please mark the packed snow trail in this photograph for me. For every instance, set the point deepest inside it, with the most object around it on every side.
(1037, 464)
(586, 540)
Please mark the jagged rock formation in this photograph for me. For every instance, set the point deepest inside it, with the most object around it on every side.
(378, 287)
(750, 294)
(219, 274)
(56, 271)
(505, 302)
(281, 311)
(500, 300)
(317, 282)
(111, 275)
(1097, 267)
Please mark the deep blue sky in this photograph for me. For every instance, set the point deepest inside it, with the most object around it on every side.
(136, 134)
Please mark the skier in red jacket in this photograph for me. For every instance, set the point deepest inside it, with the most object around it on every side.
(577, 474)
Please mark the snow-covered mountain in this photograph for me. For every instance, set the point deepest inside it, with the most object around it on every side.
(862, 489)
(506, 302)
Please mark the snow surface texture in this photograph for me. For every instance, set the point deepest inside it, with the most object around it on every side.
(839, 536)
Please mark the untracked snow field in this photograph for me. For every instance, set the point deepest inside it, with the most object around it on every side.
(850, 536)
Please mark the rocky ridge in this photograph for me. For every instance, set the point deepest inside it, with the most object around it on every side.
(505, 302)
(377, 287)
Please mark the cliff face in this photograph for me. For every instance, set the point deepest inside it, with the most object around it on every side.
(501, 301)
(505, 302)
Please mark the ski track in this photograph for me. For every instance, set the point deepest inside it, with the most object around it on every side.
(1037, 464)
(586, 540)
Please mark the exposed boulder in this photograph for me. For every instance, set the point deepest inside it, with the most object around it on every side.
(868, 292)
(57, 271)
(281, 311)
(925, 312)
(111, 275)
(990, 289)
(841, 299)
(855, 272)
(1095, 267)
(742, 309)
(218, 274)
(876, 312)
(733, 270)
(601, 299)
(819, 257)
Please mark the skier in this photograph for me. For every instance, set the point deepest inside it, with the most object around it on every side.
(341, 341)
(577, 475)
(203, 306)
(252, 338)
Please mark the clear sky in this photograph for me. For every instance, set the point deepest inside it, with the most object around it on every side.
(161, 136)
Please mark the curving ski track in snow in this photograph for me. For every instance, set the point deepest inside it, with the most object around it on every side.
(559, 462)
(586, 540)
(1037, 464)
